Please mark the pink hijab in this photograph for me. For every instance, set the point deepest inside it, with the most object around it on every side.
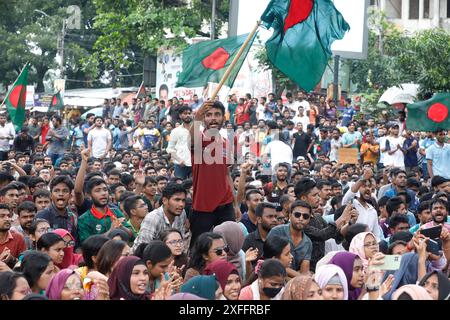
(56, 285)
(357, 246)
(414, 291)
(70, 258)
(326, 272)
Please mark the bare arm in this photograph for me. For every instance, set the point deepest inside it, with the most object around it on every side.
(241, 186)
(304, 267)
(430, 168)
(79, 181)
(19, 170)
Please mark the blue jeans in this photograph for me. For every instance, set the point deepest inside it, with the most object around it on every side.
(55, 156)
(182, 172)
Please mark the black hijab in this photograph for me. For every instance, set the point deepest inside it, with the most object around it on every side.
(443, 283)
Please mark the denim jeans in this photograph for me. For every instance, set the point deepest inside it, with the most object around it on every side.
(182, 172)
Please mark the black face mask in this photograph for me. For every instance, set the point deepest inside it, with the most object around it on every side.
(272, 292)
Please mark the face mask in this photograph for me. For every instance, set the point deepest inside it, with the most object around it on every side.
(271, 292)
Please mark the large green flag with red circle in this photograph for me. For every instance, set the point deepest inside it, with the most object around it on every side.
(429, 115)
(303, 33)
(207, 61)
(16, 98)
(57, 102)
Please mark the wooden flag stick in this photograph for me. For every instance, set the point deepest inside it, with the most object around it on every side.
(235, 60)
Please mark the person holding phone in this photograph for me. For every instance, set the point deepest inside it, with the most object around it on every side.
(353, 268)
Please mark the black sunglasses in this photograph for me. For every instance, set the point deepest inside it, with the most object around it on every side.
(219, 251)
(305, 216)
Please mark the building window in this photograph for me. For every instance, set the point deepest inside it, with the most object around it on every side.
(426, 9)
(373, 2)
(414, 9)
(394, 9)
(448, 8)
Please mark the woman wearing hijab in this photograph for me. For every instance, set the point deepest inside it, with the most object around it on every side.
(129, 280)
(437, 285)
(411, 292)
(234, 238)
(352, 266)
(365, 245)
(270, 284)
(70, 258)
(406, 274)
(228, 277)
(205, 287)
(302, 288)
(65, 285)
(331, 279)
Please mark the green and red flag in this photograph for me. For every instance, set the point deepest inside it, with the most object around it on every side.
(16, 98)
(207, 61)
(303, 33)
(429, 115)
(57, 102)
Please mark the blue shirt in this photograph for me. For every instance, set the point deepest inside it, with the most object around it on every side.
(392, 192)
(249, 225)
(301, 252)
(347, 116)
(411, 155)
(441, 159)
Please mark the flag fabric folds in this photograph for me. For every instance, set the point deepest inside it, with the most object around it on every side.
(16, 98)
(56, 103)
(303, 33)
(207, 61)
(429, 115)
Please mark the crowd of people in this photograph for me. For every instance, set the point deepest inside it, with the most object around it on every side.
(243, 200)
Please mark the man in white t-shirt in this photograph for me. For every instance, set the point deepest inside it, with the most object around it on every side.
(261, 108)
(393, 147)
(302, 102)
(301, 117)
(292, 104)
(99, 140)
(278, 151)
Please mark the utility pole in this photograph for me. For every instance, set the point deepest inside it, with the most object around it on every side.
(61, 38)
(213, 20)
(336, 80)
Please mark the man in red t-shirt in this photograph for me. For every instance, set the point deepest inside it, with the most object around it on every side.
(242, 113)
(12, 243)
(212, 202)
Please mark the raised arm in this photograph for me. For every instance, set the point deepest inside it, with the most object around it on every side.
(79, 181)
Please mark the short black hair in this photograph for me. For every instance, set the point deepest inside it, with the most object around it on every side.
(92, 183)
(26, 206)
(149, 180)
(41, 193)
(5, 189)
(259, 211)
(250, 192)
(393, 204)
(300, 203)
(395, 220)
(218, 105)
(62, 179)
(130, 204)
(171, 189)
(322, 182)
(424, 205)
(90, 248)
(304, 186)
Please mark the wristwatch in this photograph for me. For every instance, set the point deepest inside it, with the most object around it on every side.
(372, 289)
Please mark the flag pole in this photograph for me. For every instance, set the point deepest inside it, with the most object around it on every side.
(235, 60)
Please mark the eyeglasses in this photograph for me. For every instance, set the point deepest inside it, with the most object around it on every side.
(176, 242)
(220, 251)
(44, 230)
(70, 243)
(305, 216)
(371, 244)
(72, 286)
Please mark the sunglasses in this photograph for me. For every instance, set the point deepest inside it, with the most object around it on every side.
(306, 216)
(220, 251)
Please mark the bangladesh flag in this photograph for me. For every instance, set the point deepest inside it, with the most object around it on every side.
(56, 103)
(207, 61)
(303, 33)
(429, 115)
(16, 98)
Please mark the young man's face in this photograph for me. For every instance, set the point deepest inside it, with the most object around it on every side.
(42, 203)
(60, 195)
(26, 218)
(161, 185)
(100, 195)
(21, 161)
(97, 166)
(214, 119)
(47, 161)
(150, 189)
(113, 179)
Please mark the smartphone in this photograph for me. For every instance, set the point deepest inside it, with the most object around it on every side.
(390, 262)
(432, 233)
(434, 246)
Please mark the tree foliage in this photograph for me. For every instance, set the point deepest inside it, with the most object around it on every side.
(396, 57)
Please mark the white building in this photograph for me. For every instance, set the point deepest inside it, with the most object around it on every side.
(414, 15)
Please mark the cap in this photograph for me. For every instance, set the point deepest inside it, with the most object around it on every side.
(300, 158)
